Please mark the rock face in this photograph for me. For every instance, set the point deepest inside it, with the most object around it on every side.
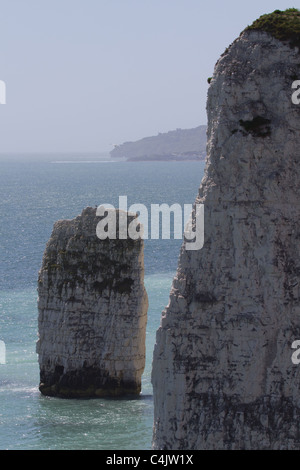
(222, 371)
(92, 312)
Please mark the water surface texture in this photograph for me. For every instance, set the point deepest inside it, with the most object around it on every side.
(34, 195)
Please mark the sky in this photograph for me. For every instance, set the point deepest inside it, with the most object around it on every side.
(83, 75)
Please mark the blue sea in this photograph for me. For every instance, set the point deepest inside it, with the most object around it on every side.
(37, 190)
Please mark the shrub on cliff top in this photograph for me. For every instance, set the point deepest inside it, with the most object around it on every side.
(283, 25)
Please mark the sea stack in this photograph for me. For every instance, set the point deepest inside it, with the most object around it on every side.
(92, 307)
(223, 374)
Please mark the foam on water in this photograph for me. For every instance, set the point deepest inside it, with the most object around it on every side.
(2, 352)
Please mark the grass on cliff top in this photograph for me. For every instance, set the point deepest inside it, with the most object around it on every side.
(282, 25)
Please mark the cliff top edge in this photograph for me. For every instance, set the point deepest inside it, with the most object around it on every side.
(282, 25)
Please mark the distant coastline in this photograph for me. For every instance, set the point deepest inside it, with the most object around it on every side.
(167, 158)
(178, 145)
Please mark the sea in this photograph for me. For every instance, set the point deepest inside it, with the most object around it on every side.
(37, 190)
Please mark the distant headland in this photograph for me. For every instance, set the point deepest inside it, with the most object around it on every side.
(178, 145)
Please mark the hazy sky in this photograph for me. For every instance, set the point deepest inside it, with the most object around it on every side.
(82, 75)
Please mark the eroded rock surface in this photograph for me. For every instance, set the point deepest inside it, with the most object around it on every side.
(222, 371)
(92, 312)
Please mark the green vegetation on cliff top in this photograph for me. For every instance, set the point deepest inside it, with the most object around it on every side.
(282, 25)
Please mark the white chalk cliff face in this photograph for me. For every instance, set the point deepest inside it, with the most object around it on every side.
(222, 371)
(92, 312)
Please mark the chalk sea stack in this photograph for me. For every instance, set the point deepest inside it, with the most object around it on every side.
(92, 308)
(222, 371)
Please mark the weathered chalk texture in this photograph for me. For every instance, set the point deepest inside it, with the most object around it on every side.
(222, 371)
(92, 312)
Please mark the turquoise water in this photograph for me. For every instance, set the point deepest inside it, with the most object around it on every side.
(34, 194)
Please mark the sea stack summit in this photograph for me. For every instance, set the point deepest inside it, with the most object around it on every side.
(222, 375)
(92, 312)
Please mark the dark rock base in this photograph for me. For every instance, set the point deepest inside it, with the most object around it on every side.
(85, 383)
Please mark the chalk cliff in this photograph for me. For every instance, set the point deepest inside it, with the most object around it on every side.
(222, 371)
(92, 312)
